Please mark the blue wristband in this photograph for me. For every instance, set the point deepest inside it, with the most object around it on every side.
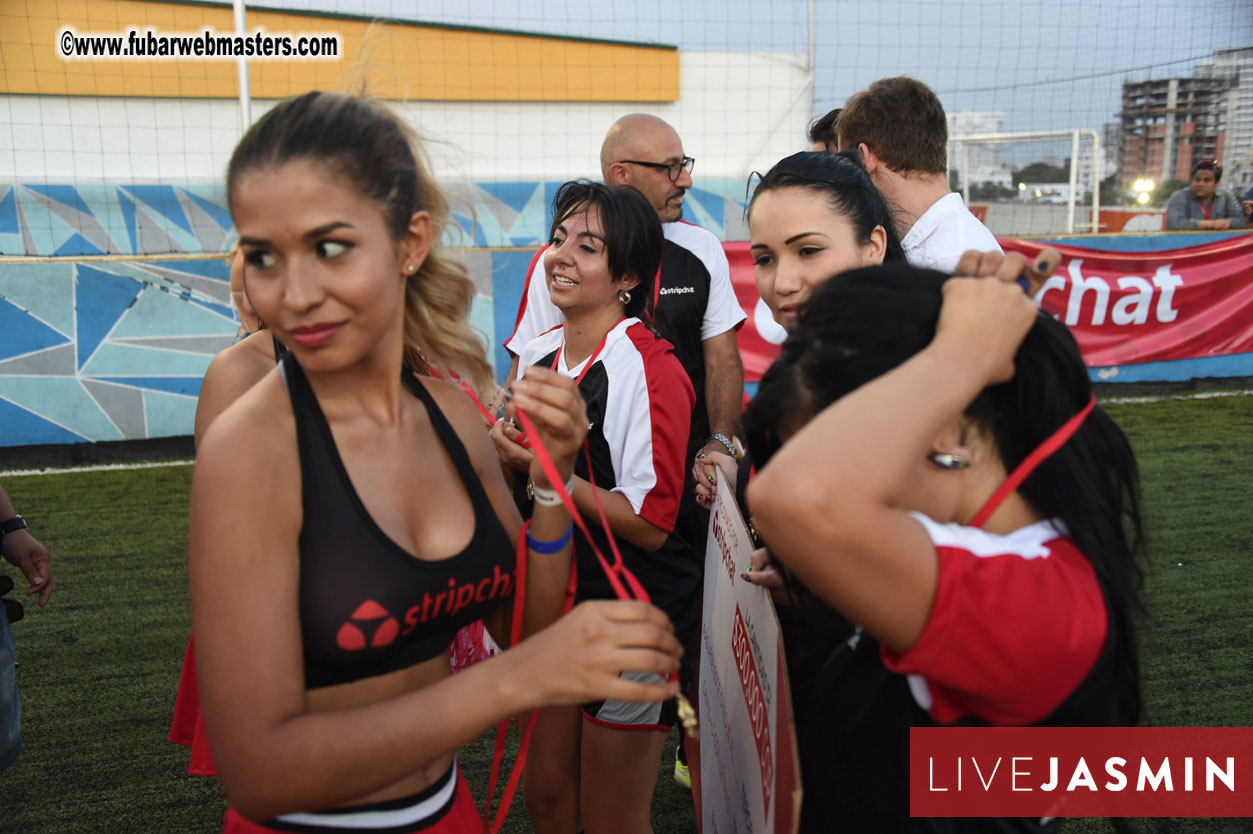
(552, 546)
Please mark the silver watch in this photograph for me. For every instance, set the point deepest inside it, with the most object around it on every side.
(726, 441)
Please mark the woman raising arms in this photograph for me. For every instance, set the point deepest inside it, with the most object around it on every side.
(347, 516)
(888, 430)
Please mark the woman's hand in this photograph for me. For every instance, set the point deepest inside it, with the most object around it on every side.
(505, 438)
(762, 571)
(580, 657)
(1011, 268)
(984, 321)
(558, 417)
(32, 559)
(706, 480)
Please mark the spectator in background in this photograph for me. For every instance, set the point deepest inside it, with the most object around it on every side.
(24, 552)
(1202, 205)
(822, 132)
(898, 125)
(1248, 206)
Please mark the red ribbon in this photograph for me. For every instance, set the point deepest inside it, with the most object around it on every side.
(1054, 442)
(625, 586)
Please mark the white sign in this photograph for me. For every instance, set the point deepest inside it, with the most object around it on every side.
(749, 775)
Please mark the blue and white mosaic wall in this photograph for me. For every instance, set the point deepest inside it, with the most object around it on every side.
(99, 350)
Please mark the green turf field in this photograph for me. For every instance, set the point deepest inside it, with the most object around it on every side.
(98, 668)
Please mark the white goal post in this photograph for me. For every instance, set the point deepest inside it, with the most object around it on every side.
(996, 138)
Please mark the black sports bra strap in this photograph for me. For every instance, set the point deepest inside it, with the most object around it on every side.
(452, 443)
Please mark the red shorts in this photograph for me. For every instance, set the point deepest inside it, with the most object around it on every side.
(187, 725)
(446, 807)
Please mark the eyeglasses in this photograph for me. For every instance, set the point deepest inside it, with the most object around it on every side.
(672, 169)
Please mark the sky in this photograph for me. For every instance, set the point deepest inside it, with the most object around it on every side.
(1048, 64)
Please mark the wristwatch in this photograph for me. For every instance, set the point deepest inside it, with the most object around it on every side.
(726, 441)
(10, 526)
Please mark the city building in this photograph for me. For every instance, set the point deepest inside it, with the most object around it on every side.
(1235, 65)
(1169, 124)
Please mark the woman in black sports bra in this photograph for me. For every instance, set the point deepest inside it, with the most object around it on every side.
(348, 516)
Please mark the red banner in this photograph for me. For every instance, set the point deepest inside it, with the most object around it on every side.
(1122, 307)
(1081, 771)
(1132, 307)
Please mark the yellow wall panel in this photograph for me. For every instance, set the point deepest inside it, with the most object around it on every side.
(404, 61)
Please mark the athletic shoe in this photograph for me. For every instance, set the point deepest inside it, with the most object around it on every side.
(682, 776)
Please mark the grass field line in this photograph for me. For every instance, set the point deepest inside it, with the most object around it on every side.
(1207, 395)
(95, 467)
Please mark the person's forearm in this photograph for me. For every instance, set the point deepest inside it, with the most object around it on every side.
(1176, 217)
(6, 506)
(724, 384)
(547, 573)
(621, 516)
(316, 760)
(859, 451)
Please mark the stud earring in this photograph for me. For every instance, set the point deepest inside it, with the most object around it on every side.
(947, 461)
(624, 297)
(410, 268)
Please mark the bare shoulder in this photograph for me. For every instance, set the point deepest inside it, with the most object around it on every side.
(466, 421)
(230, 374)
(253, 440)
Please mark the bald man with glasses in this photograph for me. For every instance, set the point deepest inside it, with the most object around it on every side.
(695, 305)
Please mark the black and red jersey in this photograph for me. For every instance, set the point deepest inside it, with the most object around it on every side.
(639, 406)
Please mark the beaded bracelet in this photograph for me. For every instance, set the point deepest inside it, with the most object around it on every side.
(552, 546)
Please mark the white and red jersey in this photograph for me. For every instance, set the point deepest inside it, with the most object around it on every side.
(639, 405)
(1017, 623)
(693, 300)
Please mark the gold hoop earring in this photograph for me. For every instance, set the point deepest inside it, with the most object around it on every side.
(624, 297)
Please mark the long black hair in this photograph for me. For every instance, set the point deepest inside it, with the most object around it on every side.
(875, 318)
(841, 179)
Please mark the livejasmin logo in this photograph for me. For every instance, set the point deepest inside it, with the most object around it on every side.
(1020, 769)
(1080, 771)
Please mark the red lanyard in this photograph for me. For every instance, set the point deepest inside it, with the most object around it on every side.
(1054, 442)
(524, 439)
(656, 292)
(469, 392)
(624, 583)
(591, 359)
(617, 573)
(1206, 211)
(502, 729)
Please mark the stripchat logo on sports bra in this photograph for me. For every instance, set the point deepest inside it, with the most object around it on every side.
(369, 625)
(373, 626)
